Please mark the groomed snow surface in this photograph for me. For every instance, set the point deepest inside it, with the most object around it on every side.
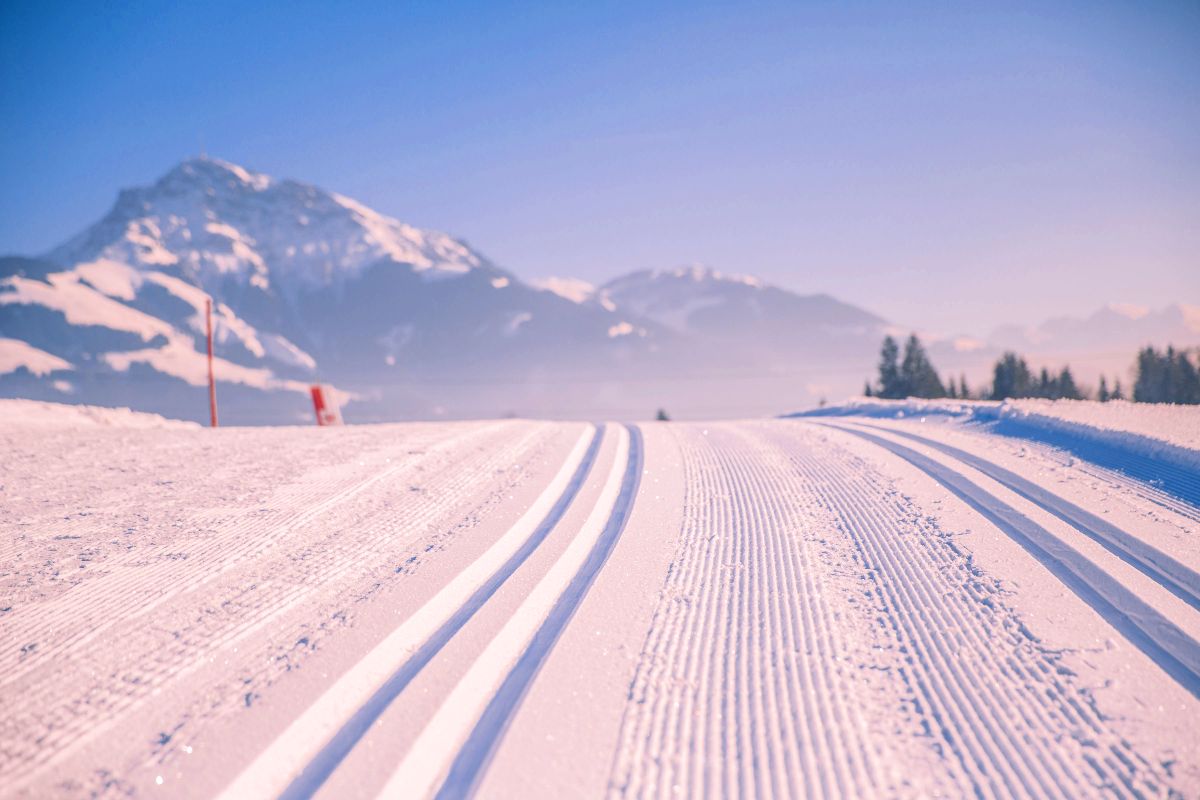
(883, 601)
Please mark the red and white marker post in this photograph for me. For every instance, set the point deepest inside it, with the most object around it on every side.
(325, 405)
(212, 383)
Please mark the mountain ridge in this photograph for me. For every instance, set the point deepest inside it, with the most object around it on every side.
(308, 285)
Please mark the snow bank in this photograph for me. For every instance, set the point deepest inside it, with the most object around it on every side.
(1174, 424)
(899, 409)
(1155, 430)
(33, 414)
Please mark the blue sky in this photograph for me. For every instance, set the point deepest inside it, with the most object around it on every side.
(950, 166)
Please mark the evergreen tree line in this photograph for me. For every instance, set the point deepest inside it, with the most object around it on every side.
(910, 376)
(1168, 377)
(1012, 378)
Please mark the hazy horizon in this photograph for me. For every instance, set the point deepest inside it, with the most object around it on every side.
(949, 169)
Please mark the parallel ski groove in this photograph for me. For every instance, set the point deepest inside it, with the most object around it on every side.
(455, 741)
(739, 692)
(1177, 578)
(305, 754)
(1003, 723)
(474, 756)
(65, 727)
(1160, 639)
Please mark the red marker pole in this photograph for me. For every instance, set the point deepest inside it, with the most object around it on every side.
(318, 397)
(212, 384)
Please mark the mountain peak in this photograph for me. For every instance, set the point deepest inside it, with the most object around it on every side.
(212, 220)
(214, 171)
(702, 273)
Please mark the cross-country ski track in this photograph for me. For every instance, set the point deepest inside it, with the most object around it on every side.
(822, 607)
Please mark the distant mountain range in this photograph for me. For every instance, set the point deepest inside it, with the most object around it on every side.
(1103, 343)
(309, 285)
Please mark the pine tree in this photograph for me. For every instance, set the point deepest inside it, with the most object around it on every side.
(963, 390)
(951, 390)
(889, 370)
(1117, 394)
(1170, 377)
(1065, 386)
(662, 415)
(1147, 387)
(1045, 385)
(1102, 392)
(917, 374)
(867, 389)
(1185, 379)
(1011, 377)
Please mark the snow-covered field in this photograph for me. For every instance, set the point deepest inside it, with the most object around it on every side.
(944, 602)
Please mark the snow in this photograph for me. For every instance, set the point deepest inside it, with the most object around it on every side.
(90, 294)
(80, 304)
(1155, 429)
(16, 354)
(627, 609)
(1172, 424)
(144, 240)
(179, 358)
(270, 772)
(515, 321)
(36, 416)
(255, 180)
(113, 279)
(220, 219)
(573, 289)
(425, 250)
(283, 351)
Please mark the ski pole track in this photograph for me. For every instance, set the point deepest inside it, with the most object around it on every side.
(237, 539)
(1006, 715)
(739, 690)
(311, 748)
(429, 765)
(473, 758)
(1140, 623)
(1177, 578)
(248, 605)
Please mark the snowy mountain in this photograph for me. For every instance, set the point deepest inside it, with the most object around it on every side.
(1118, 326)
(701, 301)
(310, 285)
(1103, 343)
(215, 222)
